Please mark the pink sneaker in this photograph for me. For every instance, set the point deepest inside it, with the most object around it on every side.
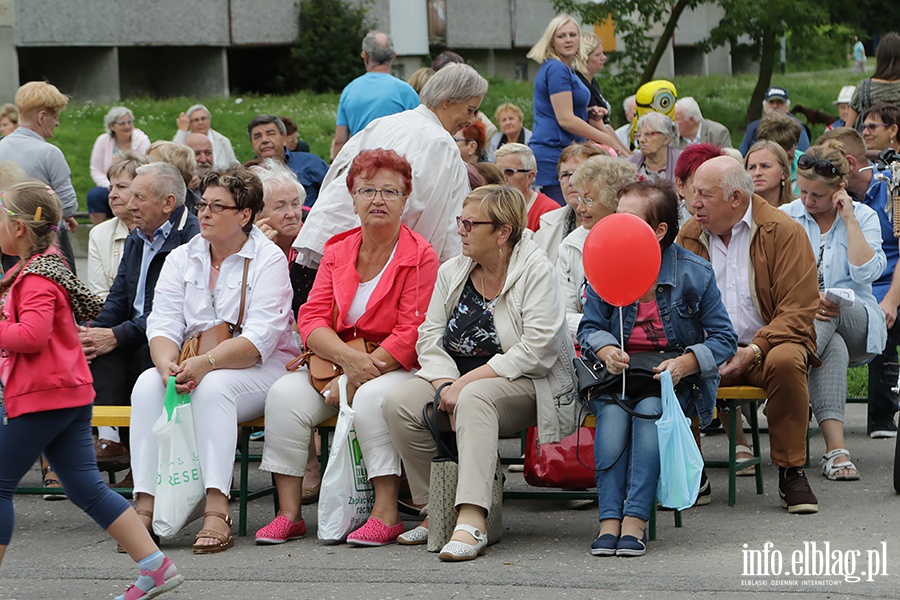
(280, 531)
(164, 578)
(375, 533)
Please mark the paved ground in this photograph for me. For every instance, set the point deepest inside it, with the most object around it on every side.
(58, 553)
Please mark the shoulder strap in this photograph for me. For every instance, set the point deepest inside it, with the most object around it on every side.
(240, 321)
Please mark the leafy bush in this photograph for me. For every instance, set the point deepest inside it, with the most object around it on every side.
(827, 48)
(326, 55)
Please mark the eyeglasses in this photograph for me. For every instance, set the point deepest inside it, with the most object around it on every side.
(872, 126)
(563, 175)
(819, 167)
(214, 207)
(126, 122)
(586, 201)
(387, 194)
(468, 224)
(511, 172)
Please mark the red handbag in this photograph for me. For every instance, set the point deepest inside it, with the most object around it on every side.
(567, 464)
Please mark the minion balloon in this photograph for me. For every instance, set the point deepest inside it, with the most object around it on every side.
(654, 96)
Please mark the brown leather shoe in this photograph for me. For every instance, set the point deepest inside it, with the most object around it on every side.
(107, 451)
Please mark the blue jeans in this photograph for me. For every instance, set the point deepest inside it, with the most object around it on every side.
(64, 436)
(626, 454)
(98, 201)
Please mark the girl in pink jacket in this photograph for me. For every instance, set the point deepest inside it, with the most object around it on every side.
(46, 390)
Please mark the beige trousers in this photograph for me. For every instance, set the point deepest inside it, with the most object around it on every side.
(487, 409)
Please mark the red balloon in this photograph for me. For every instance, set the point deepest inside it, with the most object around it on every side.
(621, 258)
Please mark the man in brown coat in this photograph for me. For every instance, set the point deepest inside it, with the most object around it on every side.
(766, 272)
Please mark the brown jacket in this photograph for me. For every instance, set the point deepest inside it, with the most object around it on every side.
(783, 282)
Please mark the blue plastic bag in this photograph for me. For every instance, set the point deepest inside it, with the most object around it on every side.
(680, 462)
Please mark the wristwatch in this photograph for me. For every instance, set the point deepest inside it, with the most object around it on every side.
(757, 353)
(212, 361)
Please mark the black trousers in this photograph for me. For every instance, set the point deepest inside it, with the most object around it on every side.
(115, 375)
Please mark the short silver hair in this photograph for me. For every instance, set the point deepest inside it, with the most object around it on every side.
(275, 174)
(165, 179)
(526, 156)
(659, 122)
(378, 53)
(689, 108)
(454, 83)
(736, 179)
(114, 114)
(194, 108)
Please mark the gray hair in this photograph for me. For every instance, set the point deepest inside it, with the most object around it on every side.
(165, 179)
(629, 103)
(275, 174)
(689, 108)
(526, 156)
(655, 121)
(197, 107)
(380, 50)
(265, 120)
(454, 83)
(736, 179)
(113, 115)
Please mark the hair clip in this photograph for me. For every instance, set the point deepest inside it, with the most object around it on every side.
(50, 190)
(54, 227)
(37, 213)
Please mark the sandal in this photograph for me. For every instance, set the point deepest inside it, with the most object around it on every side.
(748, 471)
(830, 468)
(226, 541)
(51, 482)
(153, 536)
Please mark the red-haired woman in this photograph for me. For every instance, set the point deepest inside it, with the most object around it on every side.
(471, 140)
(689, 161)
(374, 282)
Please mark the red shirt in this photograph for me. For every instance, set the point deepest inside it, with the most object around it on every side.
(542, 204)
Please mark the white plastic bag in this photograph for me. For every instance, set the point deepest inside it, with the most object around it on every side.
(346, 496)
(179, 485)
(680, 461)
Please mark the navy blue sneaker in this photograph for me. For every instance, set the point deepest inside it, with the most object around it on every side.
(631, 546)
(605, 545)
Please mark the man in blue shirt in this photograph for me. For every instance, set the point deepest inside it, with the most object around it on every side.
(375, 94)
(776, 99)
(868, 185)
(268, 136)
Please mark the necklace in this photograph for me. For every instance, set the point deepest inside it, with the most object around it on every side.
(484, 291)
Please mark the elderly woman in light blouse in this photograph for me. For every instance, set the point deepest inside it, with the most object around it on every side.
(200, 286)
(121, 136)
(598, 181)
(198, 119)
(657, 155)
(107, 239)
(495, 345)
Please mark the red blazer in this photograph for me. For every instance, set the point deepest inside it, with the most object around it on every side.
(45, 368)
(397, 306)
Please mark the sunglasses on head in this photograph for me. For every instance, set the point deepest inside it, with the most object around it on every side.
(819, 167)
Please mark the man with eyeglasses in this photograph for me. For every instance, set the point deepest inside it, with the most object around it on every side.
(519, 168)
(871, 186)
(115, 343)
(198, 119)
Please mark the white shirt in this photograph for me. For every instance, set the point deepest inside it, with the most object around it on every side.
(440, 182)
(105, 247)
(184, 305)
(732, 267)
(364, 293)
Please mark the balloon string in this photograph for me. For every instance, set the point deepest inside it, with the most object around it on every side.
(622, 346)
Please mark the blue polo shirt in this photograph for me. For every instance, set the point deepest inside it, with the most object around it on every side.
(310, 171)
(878, 199)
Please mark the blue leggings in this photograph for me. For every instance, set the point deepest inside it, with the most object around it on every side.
(64, 436)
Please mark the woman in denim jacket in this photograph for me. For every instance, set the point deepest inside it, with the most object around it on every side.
(683, 310)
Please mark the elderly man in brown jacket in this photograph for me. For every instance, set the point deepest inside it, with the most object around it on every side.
(766, 272)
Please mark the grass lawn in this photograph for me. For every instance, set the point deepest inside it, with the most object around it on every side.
(722, 99)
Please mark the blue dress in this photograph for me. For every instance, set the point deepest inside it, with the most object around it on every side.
(548, 139)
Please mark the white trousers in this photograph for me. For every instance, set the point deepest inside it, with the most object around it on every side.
(294, 407)
(221, 400)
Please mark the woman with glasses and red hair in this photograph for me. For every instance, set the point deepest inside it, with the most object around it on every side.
(850, 326)
(495, 346)
(374, 283)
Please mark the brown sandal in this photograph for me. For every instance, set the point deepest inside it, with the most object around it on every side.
(225, 541)
(153, 536)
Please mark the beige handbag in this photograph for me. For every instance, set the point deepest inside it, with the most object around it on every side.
(442, 489)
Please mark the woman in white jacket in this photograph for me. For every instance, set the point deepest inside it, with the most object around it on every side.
(495, 345)
(597, 181)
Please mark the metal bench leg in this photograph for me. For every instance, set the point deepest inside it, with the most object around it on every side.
(733, 416)
(244, 487)
(754, 426)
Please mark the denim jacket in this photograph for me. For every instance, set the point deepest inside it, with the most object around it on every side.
(692, 314)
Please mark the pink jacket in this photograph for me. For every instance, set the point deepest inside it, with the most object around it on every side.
(102, 154)
(397, 306)
(44, 366)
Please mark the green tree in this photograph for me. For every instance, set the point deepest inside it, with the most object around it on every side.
(325, 57)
